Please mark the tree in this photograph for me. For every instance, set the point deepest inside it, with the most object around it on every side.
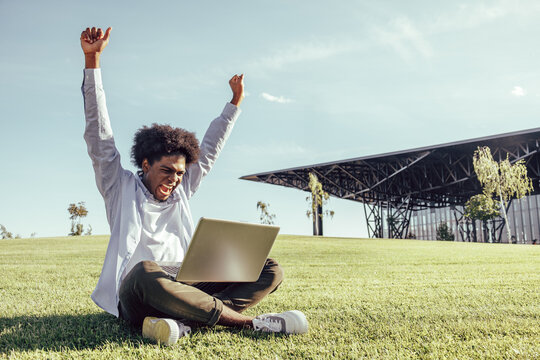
(265, 217)
(444, 233)
(483, 208)
(4, 233)
(318, 198)
(76, 213)
(501, 179)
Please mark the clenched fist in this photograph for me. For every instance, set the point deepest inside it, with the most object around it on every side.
(93, 41)
(237, 86)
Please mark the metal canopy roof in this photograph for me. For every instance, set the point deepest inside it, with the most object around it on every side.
(433, 176)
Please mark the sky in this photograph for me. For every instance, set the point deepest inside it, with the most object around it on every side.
(325, 81)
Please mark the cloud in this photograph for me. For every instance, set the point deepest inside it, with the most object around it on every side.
(276, 148)
(518, 91)
(409, 39)
(309, 51)
(405, 38)
(272, 98)
(475, 14)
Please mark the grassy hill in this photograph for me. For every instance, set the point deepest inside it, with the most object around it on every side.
(387, 299)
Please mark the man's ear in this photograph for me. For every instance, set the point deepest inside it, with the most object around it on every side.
(145, 166)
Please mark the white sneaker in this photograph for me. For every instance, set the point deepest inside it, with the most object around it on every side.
(288, 322)
(164, 331)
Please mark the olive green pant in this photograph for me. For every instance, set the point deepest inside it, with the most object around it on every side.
(149, 291)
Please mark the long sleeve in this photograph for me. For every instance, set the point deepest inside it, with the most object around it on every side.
(213, 141)
(99, 139)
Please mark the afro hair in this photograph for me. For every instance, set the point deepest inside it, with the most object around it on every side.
(156, 141)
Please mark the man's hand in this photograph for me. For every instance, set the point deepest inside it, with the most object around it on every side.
(237, 87)
(93, 41)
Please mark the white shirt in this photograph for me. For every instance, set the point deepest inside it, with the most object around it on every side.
(142, 228)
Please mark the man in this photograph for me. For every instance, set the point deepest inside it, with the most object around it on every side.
(150, 221)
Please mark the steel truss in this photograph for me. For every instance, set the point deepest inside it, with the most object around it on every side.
(492, 230)
(373, 220)
(393, 185)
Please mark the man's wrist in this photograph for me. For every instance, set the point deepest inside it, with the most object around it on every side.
(237, 99)
(91, 60)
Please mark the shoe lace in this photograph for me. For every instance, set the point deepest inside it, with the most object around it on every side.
(271, 323)
(184, 329)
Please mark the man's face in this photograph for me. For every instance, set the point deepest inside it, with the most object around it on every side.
(164, 175)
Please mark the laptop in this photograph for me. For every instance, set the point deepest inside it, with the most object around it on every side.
(224, 251)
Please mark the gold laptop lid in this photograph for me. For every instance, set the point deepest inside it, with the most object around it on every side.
(227, 251)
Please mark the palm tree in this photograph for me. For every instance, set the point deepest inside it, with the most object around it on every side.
(76, 213)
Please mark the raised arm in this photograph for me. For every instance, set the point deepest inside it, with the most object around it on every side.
(98, 132)
(215, 137)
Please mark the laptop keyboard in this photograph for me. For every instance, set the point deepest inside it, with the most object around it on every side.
(171, 270)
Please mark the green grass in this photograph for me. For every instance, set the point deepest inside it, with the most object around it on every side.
(388, 299)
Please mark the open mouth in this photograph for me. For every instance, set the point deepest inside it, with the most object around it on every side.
(164, 190)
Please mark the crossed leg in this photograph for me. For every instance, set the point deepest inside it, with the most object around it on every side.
(149, 291)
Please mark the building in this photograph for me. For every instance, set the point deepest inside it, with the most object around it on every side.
(407, 194)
